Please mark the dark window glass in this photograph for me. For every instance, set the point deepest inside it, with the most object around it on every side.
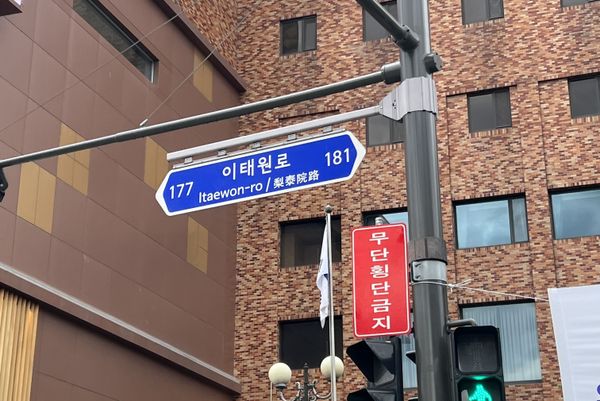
(372, 30)
(584, 95)
(502, 108)
(518, 337)
(289, 37)
(301, 241)
(496, 9)
(298, 35)
(490, 223)
(519, 220)
(576, 214)
(565, 3)
(481, 10)
(489, 110)
(309, 38)
(382, 130)
(8, 7)
(115, 34)
(304, 341)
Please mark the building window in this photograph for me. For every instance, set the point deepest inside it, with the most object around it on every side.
(10, 7)
(392, 216)
(489, 110)
(409, 369)
(304, 341)
(576, 213)
(301, 241)
(491, 222)
(481, 10)
(372, 30)
(518, 337)
(566, 3)
(382, 130)
(584, 95)
(299, 35)
(116, 34)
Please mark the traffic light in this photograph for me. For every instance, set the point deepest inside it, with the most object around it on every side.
(477, 364)
(380, 361)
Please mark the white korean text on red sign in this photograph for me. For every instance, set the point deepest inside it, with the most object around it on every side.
(380, 280)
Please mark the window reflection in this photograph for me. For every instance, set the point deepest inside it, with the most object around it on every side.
(489, 223)
(576, 214)
(482, 224)
(393, 216)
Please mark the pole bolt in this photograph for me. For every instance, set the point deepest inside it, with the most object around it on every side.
(433, 62)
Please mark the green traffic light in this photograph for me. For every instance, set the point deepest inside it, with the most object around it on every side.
(480, 394)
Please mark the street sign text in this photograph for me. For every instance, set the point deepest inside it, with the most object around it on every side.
(275, 170)
(380, 280)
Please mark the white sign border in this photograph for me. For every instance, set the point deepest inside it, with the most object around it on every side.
(360, 154)
(370, 228)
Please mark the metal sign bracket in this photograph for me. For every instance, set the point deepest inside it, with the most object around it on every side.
(413, 94)
(428, 270)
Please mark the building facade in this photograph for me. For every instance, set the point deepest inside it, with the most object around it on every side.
(102, 296)
(519, 112)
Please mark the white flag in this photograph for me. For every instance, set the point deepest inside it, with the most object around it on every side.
(323, 280)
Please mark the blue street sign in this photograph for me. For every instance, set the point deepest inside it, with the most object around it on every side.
(283, 168)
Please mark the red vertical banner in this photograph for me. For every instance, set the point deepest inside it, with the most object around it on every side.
(380, 280)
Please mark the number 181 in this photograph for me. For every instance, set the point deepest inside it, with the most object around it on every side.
(338, 157)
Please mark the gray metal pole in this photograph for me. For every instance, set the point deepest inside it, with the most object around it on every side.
(427, 249)
(389, 73)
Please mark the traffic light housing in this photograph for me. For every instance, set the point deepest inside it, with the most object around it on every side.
(477, 364)
(380, 361)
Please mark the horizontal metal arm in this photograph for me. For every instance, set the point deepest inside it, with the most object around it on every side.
(389, 73)
(404, 37)
(274, 133)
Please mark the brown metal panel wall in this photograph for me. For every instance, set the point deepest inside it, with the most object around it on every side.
(87, 224)
(74, 362)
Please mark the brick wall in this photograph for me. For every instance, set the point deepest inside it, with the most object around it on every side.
(532, 50)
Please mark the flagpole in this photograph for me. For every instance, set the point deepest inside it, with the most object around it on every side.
(328, 210)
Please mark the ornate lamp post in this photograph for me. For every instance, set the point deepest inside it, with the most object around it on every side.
(280, 375)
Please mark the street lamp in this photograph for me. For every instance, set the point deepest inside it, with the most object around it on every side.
(280, 375)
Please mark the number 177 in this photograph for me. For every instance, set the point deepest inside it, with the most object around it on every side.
(177, 190)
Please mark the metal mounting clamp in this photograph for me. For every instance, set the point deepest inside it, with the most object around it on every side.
(3, 184)
(428, 270)
(413, 94)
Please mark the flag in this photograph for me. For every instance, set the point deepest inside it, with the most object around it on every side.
(323, 280)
